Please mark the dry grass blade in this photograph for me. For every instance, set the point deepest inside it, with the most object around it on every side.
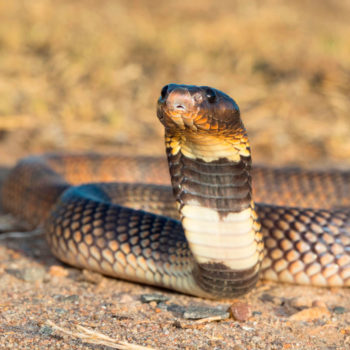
(20, 234)
(93, 337)
(210, 319)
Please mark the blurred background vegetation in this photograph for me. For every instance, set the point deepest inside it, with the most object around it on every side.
(85, 75)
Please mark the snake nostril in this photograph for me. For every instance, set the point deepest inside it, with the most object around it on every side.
(164, 91)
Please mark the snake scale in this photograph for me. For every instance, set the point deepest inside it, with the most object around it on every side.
(205, 236)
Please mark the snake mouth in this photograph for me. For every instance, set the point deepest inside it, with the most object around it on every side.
(196, 108)
(179, 108)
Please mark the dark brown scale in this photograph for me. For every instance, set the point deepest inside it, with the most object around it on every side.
(215, 190)
(224, 206)
(218, 279)
(235, 196)
(229, 180)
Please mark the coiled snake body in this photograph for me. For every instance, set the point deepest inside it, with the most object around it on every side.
(212, 241)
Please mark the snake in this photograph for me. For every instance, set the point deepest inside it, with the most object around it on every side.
(219, 227)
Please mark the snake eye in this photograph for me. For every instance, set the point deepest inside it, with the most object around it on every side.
(211, 95)
(164, 91)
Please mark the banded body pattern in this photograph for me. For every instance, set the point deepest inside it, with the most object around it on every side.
(217, 214)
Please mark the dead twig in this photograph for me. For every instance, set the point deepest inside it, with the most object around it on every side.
(93, 337)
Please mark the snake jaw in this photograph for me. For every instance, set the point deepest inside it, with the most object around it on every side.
(197, 108)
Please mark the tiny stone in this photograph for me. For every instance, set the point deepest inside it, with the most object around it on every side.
(318, 303)
(312, 313)
(339, 310)
(31, 274)
(176, 309)
(147, 298)
(58, 271)
(257, 313)
(240, 311)
(60, 311)
(163, 306)
(198, 312)
(71, 298)
(237, 347)
(300, 303)
(58, 297)
(153, 304)
(270, 298)
(177, 324)
(45, 330)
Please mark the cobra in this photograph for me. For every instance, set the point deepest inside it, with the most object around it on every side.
(206, 236)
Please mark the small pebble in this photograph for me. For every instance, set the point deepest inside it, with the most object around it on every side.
(309, 314)
(339, 310)
(175, 309)
(300, 303)
(198, 312)
(237, 347)
(30, 274)
(318, 303)
(162, 306)
(60, 311)
(153, 304)
(269, 298)
(147, 298)
(71, 298)
(45, 330)
(58, 271)
(240, 310)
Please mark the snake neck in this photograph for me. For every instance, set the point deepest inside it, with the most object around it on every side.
(212, 185)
